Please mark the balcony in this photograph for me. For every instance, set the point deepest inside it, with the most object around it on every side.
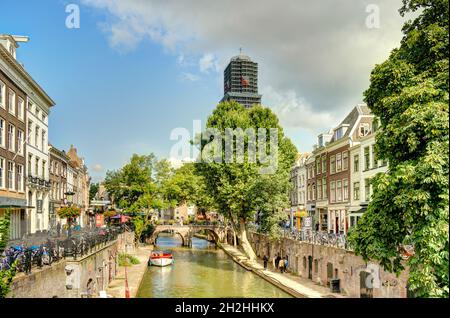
(38, 182)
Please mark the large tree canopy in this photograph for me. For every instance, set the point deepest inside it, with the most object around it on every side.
(240, 189)
(410, 94)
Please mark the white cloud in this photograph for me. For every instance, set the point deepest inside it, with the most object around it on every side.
(186, 76)
(97, 168)
(315, 51)
(294, 111)
(208, 62)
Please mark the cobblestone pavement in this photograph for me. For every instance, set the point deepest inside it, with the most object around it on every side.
(300, 287)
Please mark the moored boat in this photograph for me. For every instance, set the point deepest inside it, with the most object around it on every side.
(160, 258)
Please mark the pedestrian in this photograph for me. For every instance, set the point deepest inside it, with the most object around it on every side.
(265, 260)
(281, 265)
(277, 261)
(58, 229)
(90, 288)
(286, 263)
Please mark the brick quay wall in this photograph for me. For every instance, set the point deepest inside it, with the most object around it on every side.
(322, 263)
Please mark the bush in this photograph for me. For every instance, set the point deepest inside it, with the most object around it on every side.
(127, 260)
(171, 222)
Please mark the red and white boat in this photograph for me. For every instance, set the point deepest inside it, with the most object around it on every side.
(160, 258)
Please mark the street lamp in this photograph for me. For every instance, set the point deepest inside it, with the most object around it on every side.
(69, 202)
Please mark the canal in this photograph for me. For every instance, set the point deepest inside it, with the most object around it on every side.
(202, 271)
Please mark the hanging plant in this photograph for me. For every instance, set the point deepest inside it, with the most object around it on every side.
(110, 213)
(69, 212)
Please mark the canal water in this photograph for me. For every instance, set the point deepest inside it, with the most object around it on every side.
(202, 271)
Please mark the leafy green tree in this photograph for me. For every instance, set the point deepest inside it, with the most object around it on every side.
(240, 189)
(409, 92)
(6, 276)
(93, 189)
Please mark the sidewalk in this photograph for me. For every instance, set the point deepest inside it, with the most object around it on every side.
(116, 288)
(294, 285)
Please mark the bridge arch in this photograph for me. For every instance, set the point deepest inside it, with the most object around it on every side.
(154, 237)
(187, 231)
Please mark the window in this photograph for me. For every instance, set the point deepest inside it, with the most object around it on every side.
(36, 167)
(318, 166)
(367, 189)
(2, 173)
(36, 137)
(339, 133)
(12, 102)
(20, 178)
(314, 192)
(43, 169)
(30, 159)
(2, 132)
(324, 164)
(308, 194)
(10, 175)
(2, 94)
(44, 118)
(37, 112)
(30, 106)
(333, 191)
(30, 131)
(345, 160)
(356, 191)
(366, 158)
(11, 137)
(339, 191)
(364, 129)
(374, 158)
(355, 163)
(319, 189)
(43, 140)
(324, 188)
(345, 181)
(332, 164)
(20, 141)
(338, 162)
(20, 108)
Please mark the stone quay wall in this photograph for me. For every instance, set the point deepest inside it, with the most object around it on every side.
(321, 264)
(68, 278)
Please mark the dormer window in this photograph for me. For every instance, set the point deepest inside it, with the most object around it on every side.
(364, 129)
(339, 133)
(320, 141)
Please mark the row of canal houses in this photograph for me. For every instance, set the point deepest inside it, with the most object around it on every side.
(35, 177)
(331, 188)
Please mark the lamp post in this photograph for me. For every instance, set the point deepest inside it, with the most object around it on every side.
(69, 202)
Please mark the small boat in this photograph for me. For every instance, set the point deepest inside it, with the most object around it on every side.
(160, 258)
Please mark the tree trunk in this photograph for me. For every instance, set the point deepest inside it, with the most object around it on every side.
(246, 246)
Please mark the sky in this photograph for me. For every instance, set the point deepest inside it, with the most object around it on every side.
(135, 70)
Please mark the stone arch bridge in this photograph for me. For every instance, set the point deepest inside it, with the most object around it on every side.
(217, 232)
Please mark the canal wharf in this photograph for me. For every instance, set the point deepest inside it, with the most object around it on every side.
(291, 284)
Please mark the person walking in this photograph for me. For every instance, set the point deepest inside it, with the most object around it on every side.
(277, 261)
(58, 229)
(265, 260)
(286, 263)
(281, 265)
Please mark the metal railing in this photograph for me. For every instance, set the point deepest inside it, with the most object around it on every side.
(319, 238)
(81, 243)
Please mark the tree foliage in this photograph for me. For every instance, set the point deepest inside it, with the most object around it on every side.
(410, 94)
(6, 276)
(239, 189)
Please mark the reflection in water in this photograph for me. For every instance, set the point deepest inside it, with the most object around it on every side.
(202, 271)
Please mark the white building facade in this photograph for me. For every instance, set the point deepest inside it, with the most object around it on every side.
(38, 179)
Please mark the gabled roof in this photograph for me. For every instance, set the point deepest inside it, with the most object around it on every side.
(352, 118)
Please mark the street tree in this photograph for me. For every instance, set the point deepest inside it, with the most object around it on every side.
(409, 209)
(6, 275)
(242, 188)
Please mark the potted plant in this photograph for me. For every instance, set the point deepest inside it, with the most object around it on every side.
(69, 213)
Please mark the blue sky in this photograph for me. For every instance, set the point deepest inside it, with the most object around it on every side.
(136, 69)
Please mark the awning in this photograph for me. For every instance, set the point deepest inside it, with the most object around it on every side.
(16, 207)
(360, 211)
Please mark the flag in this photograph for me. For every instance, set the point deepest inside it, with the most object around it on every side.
(245, 81)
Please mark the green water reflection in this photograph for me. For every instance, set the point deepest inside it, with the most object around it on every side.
(202, 271)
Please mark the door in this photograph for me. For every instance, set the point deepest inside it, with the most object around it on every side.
(329, 273)
(310, 266)
(23, 223)
(366, 290)
(336, 225)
